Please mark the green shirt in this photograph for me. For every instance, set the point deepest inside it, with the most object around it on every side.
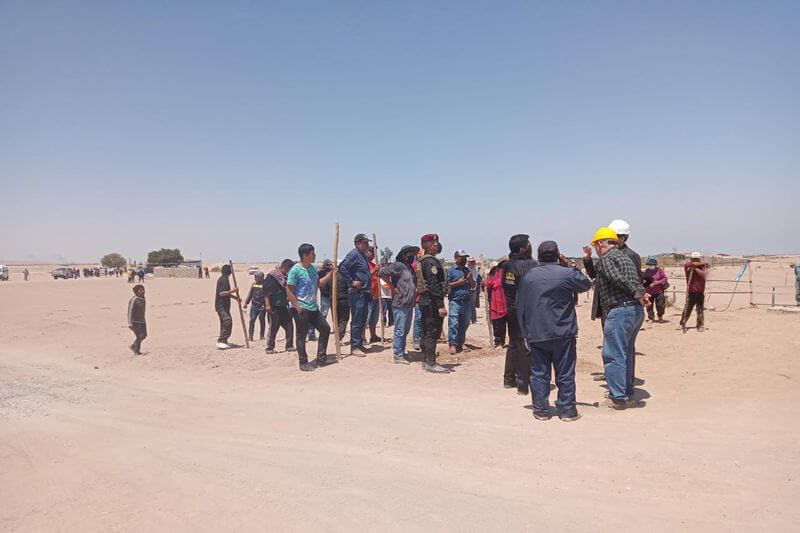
(304, 280)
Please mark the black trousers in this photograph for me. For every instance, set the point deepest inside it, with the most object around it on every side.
(660, 302)
(305, 321)
(499, 327)
(280, 318)
(342, 315)
(259, 313)
(430, 331)
(225, 324)
(140, 330)
(694, 299)
(518, 358)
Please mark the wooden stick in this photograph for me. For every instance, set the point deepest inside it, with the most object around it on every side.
(487, 306)
(334, 288)
(380, 292)
(239, 303)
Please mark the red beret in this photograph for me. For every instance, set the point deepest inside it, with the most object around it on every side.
(429, 237)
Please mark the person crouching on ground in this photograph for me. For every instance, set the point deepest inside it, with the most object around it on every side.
(546, 314)
(136, 321)
(301, 288)
(460, 302)
(404, 280)
(695, 271)
(622, 299)
(656, 283)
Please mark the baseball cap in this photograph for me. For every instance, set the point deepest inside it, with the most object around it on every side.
(361, 237)
(548, 251)
(695, 255)
(461, 253)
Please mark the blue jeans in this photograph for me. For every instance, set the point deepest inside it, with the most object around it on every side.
(324, 307)
(372, 311)
(473, 309)
(359, 301)
(458, 318)
(561, 355)
(402, 325)
(619, 349)
(417, 323)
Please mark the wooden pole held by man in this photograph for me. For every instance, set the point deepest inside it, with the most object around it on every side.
(380, 298)
(335, 282)
(239, 303)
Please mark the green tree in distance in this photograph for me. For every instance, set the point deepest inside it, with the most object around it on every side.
(165, 256)
(113, 260)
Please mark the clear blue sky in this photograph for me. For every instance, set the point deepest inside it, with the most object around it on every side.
(241, 129)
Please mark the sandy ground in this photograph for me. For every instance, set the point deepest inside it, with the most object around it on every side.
(191, 438)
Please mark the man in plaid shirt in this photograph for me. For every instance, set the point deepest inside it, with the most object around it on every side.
(622, 297)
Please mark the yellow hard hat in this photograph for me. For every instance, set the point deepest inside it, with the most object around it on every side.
(604, 233)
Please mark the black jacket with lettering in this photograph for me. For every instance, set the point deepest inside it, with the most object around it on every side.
(515, 269)
(434, 275)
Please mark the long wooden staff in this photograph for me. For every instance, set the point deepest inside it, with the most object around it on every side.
(488, 307)
(239, 303)
(335, 282)
(380, 295)
(686, 303)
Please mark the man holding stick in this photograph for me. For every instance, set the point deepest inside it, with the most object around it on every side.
(222, 304)
(695, 271)
(356, 274)
(433, 287)
(301, 288)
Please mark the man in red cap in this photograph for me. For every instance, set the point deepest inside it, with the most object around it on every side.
(433, 287)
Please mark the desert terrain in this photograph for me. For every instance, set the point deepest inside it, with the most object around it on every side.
(187, 437)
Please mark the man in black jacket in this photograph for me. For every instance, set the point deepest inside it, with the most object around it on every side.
(258, 311)
(277, 304)
(518, 358)
(433, 286)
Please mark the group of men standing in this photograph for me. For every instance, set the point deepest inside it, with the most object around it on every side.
(534, 299)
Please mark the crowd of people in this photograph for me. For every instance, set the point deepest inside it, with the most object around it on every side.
(530, 302)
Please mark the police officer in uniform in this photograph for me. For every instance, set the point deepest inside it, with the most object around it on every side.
(518, 358)
(432, 286)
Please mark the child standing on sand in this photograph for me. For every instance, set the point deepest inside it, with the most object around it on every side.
(136, 319)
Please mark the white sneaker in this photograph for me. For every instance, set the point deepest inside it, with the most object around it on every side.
(222, 346)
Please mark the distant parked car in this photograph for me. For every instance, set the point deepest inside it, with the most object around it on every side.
(253, 270)
(3, 273)
(63, 273)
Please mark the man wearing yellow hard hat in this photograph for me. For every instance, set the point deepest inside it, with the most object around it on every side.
(621, 297)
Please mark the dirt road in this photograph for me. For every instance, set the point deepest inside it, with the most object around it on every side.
(191, 438)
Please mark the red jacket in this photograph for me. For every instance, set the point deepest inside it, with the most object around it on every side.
(497, 298)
